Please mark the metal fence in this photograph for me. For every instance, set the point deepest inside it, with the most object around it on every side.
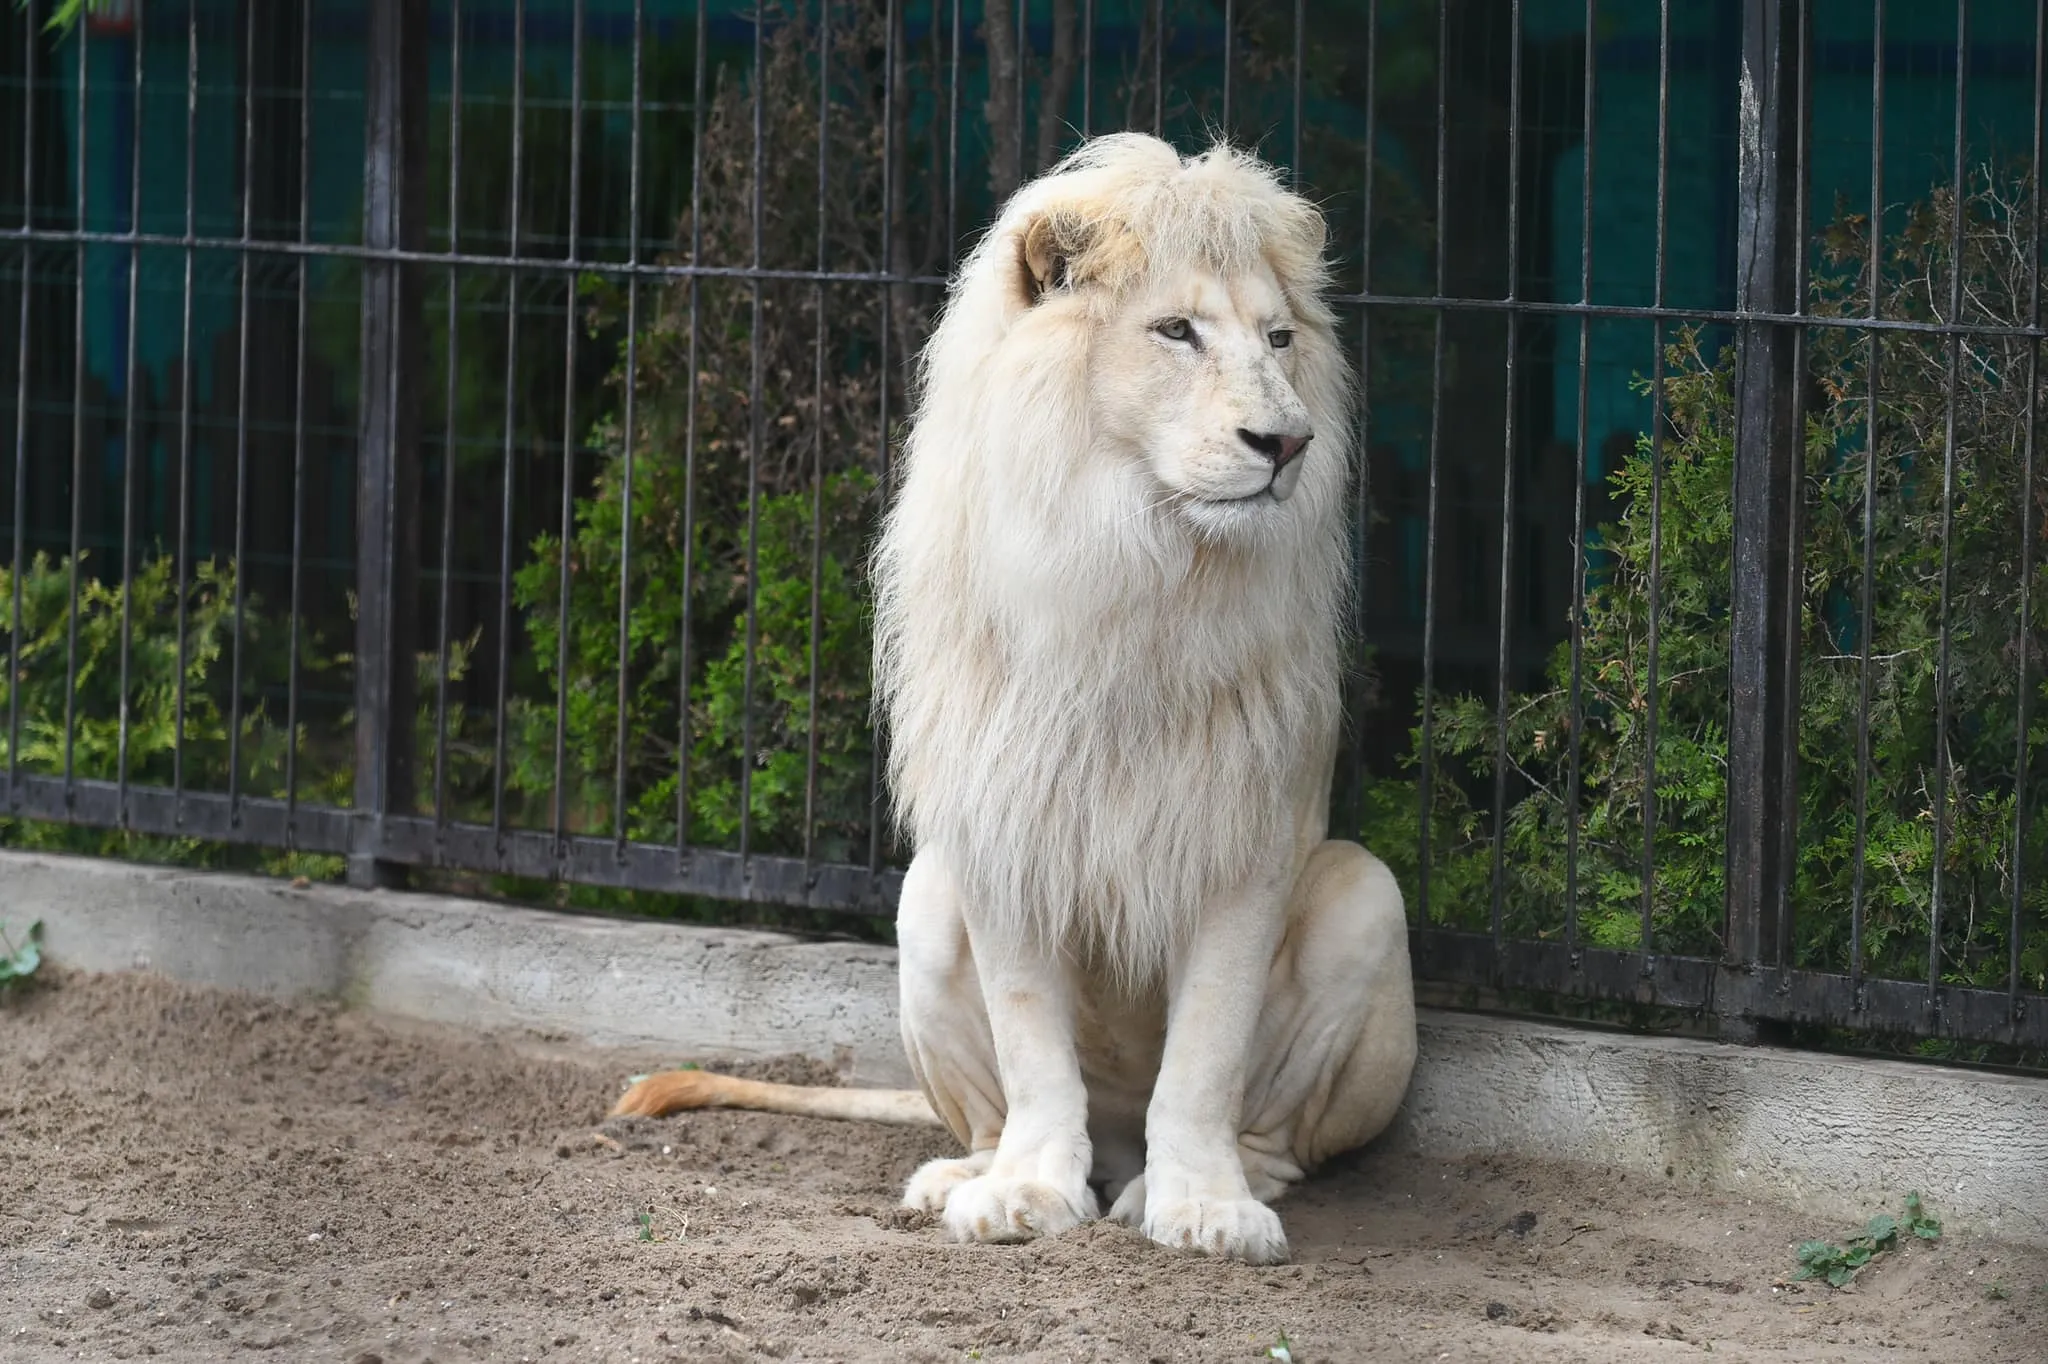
(496, 508)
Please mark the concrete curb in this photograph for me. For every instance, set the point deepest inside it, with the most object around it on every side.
(1839, 1138)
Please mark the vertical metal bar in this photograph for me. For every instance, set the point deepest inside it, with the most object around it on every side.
(686, 659)
(755, 431)
(1942, 672)
(1158, 67)
(953, 125)
(619, 827)
(569, 441)
(450, 399)
(32, 36)
(1504, 640)
(185, 368)
(387, 469)
(1300, 75)
(1794, 511)
(816, 640)
(2016, 1006)
(1436, 435)
(128, 451)
(1575, 704)
(888, 301)
(1648, 871)
(305, 270)
(241, 560)
(77, 444)
(1229, 57)
(1764, 642)
(1021, 11)
(511, 470)
(1867, 611)
(1361, 487)
(1087, 67)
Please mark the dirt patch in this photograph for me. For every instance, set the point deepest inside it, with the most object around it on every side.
(193, 1174)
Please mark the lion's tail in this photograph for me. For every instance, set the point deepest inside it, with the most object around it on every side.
(673, 1091)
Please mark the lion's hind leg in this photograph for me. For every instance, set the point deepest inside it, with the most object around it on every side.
(1335, 1044)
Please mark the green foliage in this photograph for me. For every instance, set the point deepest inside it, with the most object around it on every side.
(18, 964)
(166, 685)
(1960, 775)
(735, 496)
(1838, 1264)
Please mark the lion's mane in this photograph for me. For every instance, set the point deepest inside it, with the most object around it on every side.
(1099, 717)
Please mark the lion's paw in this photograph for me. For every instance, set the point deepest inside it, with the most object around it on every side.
(994, 1209)
(1128, 1206)
(1234, 1228)
(935, 1180)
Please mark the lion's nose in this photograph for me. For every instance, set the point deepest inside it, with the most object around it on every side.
(1278, 448)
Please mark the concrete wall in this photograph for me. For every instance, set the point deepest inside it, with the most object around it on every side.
(1837, 1137)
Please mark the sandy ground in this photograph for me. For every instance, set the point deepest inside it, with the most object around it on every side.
(192, 1174)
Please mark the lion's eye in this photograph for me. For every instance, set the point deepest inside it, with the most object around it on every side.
(1281, 339)
(1174, 329)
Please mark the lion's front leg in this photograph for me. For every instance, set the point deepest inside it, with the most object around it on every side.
(1037, 1183)
(1194, 1194)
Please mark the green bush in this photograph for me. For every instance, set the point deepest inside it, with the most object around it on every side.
(1992, 651)
(91, 726)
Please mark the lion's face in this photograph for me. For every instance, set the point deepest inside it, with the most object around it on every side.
(1195, 379)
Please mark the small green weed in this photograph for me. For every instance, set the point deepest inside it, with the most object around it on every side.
(1838, 1264)
(18, 964)
(646, 1221)
(1282, 1350)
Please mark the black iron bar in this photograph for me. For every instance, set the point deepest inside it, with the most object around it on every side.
(623, 730)
(1496, 913)
(1575, 704)
(295, 619)
(1427, 784)
(570, 331)
(2016, 1004)
(756, 435)
(888, 308)
(1087, 68)
(185, 369)
(816, 633)
(686, 654)
(1229, 57)
(244, 263)
(1300, 83)
(1361, 488)
(1648, 868)
(77, 439)
(1793, 585)
(505, 522)
(451, 401)
(18, 674)
(1867, 606)
(128, 451)
(1942, 673)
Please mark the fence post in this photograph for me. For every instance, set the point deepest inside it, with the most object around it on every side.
(387, 458)
(1764, 613)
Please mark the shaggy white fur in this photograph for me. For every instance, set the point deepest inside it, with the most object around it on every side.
(1100, 687)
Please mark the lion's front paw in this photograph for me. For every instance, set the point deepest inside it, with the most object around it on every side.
(935, 1180)
(1235, 1228)
(997, 1209)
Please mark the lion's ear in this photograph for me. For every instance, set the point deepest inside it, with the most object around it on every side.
(1049, 244)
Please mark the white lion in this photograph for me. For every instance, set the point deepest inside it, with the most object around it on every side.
(1109, 599)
